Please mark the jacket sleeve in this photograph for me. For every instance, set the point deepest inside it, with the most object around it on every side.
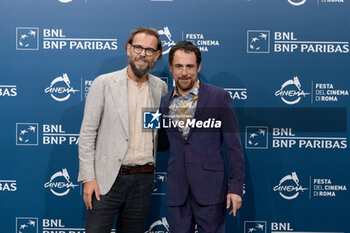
(233, 146)
(164, 89)
(88, 133)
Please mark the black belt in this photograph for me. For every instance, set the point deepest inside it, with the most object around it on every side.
(127, 170)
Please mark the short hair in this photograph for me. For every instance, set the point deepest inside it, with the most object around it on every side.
(148, 31)
(187, 47)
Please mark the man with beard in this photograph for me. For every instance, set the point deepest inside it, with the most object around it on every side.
(198, 190)
(116, 158)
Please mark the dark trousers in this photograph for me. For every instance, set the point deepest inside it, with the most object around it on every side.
(209, 218)
(130, 197)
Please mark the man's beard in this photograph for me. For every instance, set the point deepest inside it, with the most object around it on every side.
(185, 88)
(139, 73)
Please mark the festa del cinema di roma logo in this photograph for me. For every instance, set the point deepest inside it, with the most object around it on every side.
(289, 187)
(60, 88)
(60, 183)
(291, 92)
(167, 42)
(159, 226)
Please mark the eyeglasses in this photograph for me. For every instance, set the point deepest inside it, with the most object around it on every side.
(138, 49)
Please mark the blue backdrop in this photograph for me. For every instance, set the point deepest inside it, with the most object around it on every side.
(284, 62)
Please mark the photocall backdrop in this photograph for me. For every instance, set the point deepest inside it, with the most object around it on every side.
(285, 64)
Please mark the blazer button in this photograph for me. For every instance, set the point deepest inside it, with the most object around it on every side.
(127, 140)
(119, 160)
(187, 143)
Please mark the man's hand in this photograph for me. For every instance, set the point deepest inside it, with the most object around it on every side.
(90, 187)
(236, 202)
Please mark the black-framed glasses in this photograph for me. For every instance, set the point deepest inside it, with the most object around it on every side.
(138, 49)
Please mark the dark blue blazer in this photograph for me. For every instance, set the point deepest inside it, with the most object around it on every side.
(197, 163)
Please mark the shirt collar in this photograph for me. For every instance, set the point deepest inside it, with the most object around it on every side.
(194, 90)
(136, 84)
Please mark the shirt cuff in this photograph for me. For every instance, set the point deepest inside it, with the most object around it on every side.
(84, 181)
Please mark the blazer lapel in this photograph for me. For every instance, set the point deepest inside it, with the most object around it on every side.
(119, 90)
(202, 99)
(155, 92)
(165, 111)
(166, 102)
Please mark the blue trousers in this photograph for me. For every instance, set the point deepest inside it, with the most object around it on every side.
(209, 218)
(130, 198)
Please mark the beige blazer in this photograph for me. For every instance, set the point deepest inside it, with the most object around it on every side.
(104, 131)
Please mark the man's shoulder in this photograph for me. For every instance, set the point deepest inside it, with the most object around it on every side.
(218, 91)
(111, 76)
(168, 94)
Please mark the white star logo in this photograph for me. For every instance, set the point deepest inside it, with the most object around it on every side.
(155, 115)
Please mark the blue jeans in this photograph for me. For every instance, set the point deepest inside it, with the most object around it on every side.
(130, 198)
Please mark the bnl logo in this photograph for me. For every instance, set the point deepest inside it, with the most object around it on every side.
(159, 183)
(151, 120)
(258, 41)
(254, 227)
(27, 38)
(26, 225)
(256, 137)
(27, 134)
